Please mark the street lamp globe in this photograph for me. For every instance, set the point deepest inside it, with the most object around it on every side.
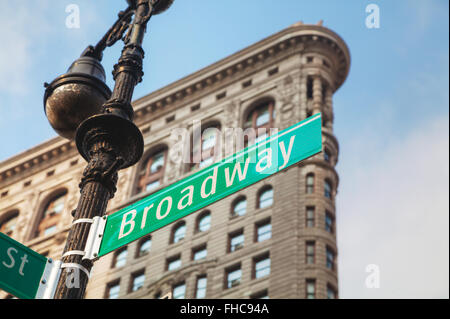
(75, 96)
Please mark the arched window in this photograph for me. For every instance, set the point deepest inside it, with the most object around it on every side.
(239, 207)
(178, 232)
(144, 246)
(327, 155)
(265, 198)
(328, 189)
(152, 172)
(206, 149)
(8, 224)
(310, 183)
(204, 222)
(120, 258)
(51, 214)
(261, 118)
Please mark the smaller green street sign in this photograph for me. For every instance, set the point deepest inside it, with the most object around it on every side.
(21, 268)
(246, 167)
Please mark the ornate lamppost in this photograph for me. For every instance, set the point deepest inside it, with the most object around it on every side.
(80, 106)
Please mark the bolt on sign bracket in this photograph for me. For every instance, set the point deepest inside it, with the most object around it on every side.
(95, 237)
(49, 280)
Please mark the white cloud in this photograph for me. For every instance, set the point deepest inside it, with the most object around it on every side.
(395, 214)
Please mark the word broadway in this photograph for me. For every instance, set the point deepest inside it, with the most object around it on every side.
(213, 183)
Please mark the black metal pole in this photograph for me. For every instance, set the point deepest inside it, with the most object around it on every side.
(109, 142)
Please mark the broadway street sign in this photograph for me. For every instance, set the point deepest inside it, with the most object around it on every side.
(213, 183)
(23, 272)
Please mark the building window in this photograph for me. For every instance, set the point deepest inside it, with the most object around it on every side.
(138, 281)
(51, 215)
(327, 189)
(152, 172)
(120, 258)
(199, 253)
(310, 289)
(144, 246)
(263, 231)
(233, 276)
(112, 290)
(260, 119)
(329, 222)
(265, 198)
(246, 84)
(204, 150)
(200, 291)
(310, 183)
(310, 252)
(331, 292)
(204, 222)
(310, 216)
(239, 207)
(261, 267)
(309, 88)
(260, 295)
(173, 263)
(179, 291)
(236, 241)
(273, 71)
(326, 155)
(330, 258)
(178, 232)
(8, 225)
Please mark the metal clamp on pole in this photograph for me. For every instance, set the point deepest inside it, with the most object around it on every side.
(95, 237)
(49, 280)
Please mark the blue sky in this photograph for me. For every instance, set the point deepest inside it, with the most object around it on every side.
(391, 115)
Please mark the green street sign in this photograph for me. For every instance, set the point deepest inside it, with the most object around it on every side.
(21, 269)
(213, 183)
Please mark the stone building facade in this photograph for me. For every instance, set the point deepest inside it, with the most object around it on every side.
(276, 238)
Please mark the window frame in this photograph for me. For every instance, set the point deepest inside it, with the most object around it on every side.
(202, 155)
(231, 236)
(171, 260)
(307, 283)
(12, 215)
(259, 259)
(48, 219)
(261, 192)
(228, 272)
(310, 221)
(139, 252)
(109, 286)
(328, 193)
(134, 276)
(330, 263)
(197, 288)
(200, 218)
(116, 258)
(174, 287)
(258, 226)
(146, 177)
(310, 187)
(235, 203)
(252, 116)
(308, 254)
(174, 230)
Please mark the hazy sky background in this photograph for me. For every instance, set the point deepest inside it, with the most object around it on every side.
(391, 115)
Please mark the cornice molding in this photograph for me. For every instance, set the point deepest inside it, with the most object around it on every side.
(290, 41)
